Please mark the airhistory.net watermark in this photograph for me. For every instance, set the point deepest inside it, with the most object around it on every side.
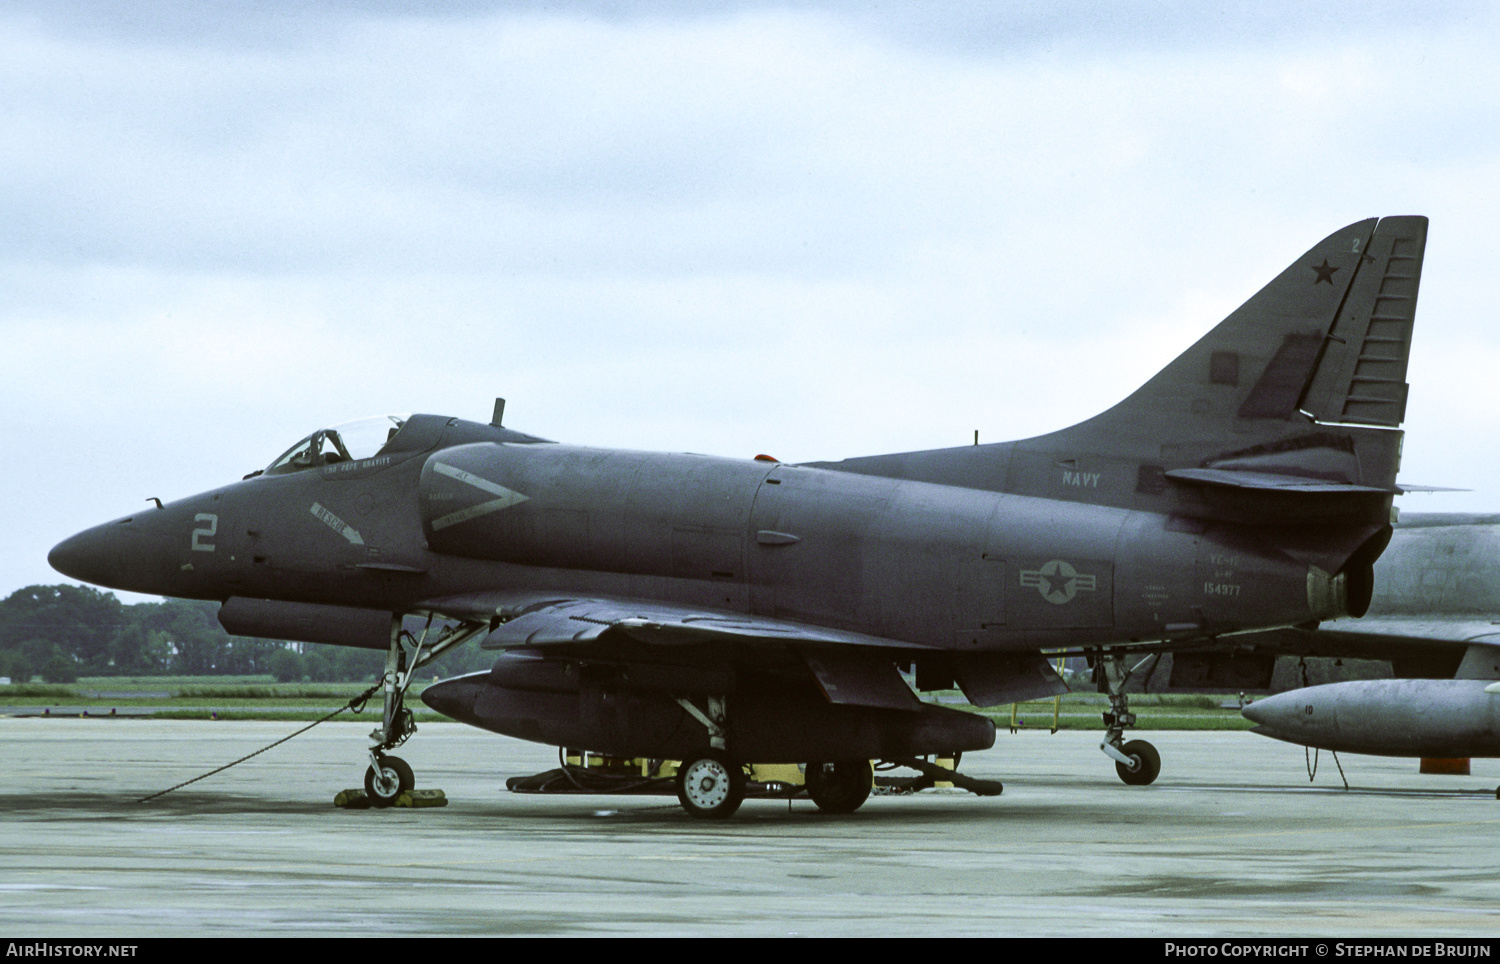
(49, 949)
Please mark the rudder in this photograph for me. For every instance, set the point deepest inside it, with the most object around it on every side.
(1361, 377)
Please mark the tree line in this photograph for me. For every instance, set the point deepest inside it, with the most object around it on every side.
(63, 632)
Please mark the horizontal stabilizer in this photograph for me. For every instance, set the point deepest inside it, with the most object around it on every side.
(1413, 487)
(1271, 482)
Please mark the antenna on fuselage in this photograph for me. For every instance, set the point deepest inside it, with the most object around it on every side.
(499, 412)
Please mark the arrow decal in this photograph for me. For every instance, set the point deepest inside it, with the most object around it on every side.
(505, 498)
(338, 525)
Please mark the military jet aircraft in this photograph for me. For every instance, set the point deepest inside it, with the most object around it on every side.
(724, 611)
(1434, 615)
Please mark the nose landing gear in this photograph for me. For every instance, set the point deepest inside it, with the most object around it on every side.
(388, 777)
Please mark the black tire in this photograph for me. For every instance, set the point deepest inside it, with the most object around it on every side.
(398, 780)
(710, 785)
(839, 787)
(1147, 763)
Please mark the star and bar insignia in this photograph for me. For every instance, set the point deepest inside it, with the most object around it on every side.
(1058, 581)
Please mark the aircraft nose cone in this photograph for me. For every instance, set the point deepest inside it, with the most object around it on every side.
(87, 557)
(117, 554)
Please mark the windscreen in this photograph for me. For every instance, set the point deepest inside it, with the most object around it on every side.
(349, 442)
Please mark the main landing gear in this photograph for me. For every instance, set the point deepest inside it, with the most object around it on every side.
(1137, 762)
(839, 787)
(390, 776)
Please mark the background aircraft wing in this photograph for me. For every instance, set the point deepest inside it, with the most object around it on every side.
(1430, 647)
(1418, 630)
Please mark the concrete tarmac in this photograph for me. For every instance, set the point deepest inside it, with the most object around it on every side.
(1233, 840)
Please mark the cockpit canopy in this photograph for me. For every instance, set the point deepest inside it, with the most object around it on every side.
(360, 439)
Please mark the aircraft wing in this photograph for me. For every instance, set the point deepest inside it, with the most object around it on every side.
(543, 619)
(851, 667)
(1419, 629)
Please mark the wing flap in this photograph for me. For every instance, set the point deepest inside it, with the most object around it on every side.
(991, 679)
(855, 678)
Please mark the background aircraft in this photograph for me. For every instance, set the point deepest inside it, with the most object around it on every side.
(1436, 615)
(721, 611)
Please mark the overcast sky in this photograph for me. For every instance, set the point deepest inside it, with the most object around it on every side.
(815, 230)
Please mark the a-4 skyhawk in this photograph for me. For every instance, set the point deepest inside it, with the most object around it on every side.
(726, 611)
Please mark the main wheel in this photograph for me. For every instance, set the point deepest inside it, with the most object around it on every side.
(710, 785)
(1147, 763)
(839, 787)
(393, 779)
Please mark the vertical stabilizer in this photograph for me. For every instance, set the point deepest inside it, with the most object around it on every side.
(1284, 414)
(1255, 365)
(1294, 394)
(1283, 388)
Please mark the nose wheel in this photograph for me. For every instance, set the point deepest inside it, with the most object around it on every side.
(386, 779)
